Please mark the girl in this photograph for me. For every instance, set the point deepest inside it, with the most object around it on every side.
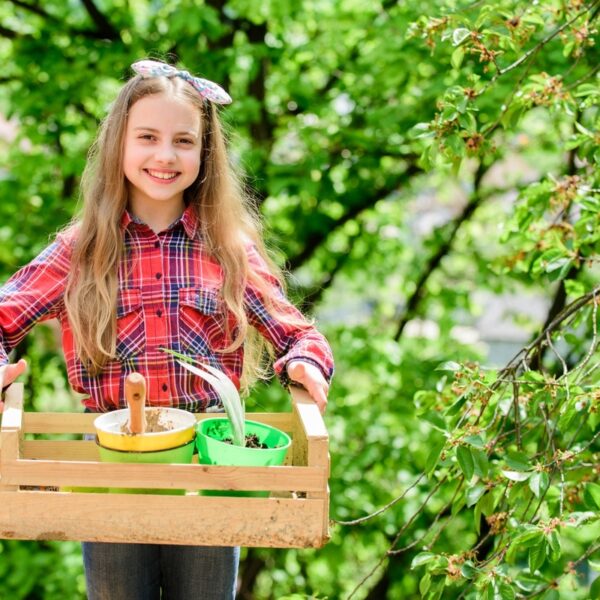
(166, 254)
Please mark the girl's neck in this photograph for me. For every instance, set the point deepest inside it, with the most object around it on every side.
(157, 218)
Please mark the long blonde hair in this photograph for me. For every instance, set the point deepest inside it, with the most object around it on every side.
(227, 224)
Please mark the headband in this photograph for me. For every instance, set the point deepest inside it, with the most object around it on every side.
(207, 89)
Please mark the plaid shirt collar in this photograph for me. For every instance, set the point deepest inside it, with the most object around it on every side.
(189, 220)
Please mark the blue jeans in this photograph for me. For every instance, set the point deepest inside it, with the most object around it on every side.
(141, 571)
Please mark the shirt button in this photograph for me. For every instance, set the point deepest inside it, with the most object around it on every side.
(165, 387)
(157, 244)
(159, 313)
(158, 275)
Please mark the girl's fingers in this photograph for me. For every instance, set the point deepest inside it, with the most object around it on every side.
(312, 380)
(8, 373)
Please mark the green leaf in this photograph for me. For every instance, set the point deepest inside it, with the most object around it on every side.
(449, 365)
(433, 457)
(595, 588)
(421, 559)
(465, 460)
(474, 493)
(554, 548)
(537, 555)
(529, 582)
(515, 475)
(435, 419)
(468, 570)
(425, 583)
(486, 504)
(504, 591)
(591, 495)
(528, 538)
(480, 461)
(518, 461)
(459, 35)
(594, 564)
(456, 406)
(474, 440)
(538, 483)
(457, 57)
(225, 388)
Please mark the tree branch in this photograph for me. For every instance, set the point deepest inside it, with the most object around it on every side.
(314, 296)
(104, 28)
(560, 296)
(314, 240)
(10, 34)
(435, 260)
(38, 10)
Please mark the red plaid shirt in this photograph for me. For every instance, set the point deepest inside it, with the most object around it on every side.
(169, 296)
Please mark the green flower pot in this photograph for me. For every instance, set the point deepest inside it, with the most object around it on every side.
(179, 455)
(213, 451)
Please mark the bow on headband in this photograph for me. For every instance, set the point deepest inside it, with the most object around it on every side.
(207, 89)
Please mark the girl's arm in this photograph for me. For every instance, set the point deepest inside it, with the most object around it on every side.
(303, 354)
(31, 295)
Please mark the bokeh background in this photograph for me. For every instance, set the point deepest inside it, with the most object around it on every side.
(428, 177)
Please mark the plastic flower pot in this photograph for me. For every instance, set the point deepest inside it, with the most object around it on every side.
(179, 455)
(111, 431)
(212, 450)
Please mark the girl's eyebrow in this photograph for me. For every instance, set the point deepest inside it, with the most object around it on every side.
(153, 130)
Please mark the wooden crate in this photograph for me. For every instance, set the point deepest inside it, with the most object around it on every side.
(295, 515)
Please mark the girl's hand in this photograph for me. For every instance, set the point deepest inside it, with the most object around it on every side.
(311, 378)
(8, 373)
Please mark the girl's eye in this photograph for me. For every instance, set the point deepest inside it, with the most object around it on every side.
(185, 141)
(146, 136)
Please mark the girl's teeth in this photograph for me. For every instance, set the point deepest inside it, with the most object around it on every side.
(162, 175)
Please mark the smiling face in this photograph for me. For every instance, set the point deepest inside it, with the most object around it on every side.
(161, 154)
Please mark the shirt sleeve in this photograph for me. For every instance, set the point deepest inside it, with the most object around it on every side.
(33, 294)
(291, 341)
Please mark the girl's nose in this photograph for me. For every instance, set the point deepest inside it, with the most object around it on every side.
(165, 153)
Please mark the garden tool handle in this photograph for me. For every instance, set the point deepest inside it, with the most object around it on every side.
(135, 394)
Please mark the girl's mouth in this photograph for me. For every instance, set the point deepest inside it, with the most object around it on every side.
(162, 176)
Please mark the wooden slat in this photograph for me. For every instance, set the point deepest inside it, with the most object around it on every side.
(213, 521)
(190, 477)
(313, 444)
(59, 450)
(13, 407)
(10, 432)
(84, 422)
(308, 414)
(75, 450)
(59, 422)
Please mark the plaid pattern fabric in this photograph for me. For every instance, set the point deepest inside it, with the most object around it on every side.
(169, 296)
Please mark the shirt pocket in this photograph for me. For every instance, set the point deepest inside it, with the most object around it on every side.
(201, 321)
(131, 332)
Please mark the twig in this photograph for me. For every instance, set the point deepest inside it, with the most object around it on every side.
(517, 415)
(397, 538)
(383, 509)
(543, 42)
(585, 77)
(437, 518)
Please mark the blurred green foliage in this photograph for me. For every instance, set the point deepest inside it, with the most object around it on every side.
(413, 162)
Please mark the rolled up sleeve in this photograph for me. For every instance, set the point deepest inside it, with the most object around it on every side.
(33, 294)
(292, 336)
